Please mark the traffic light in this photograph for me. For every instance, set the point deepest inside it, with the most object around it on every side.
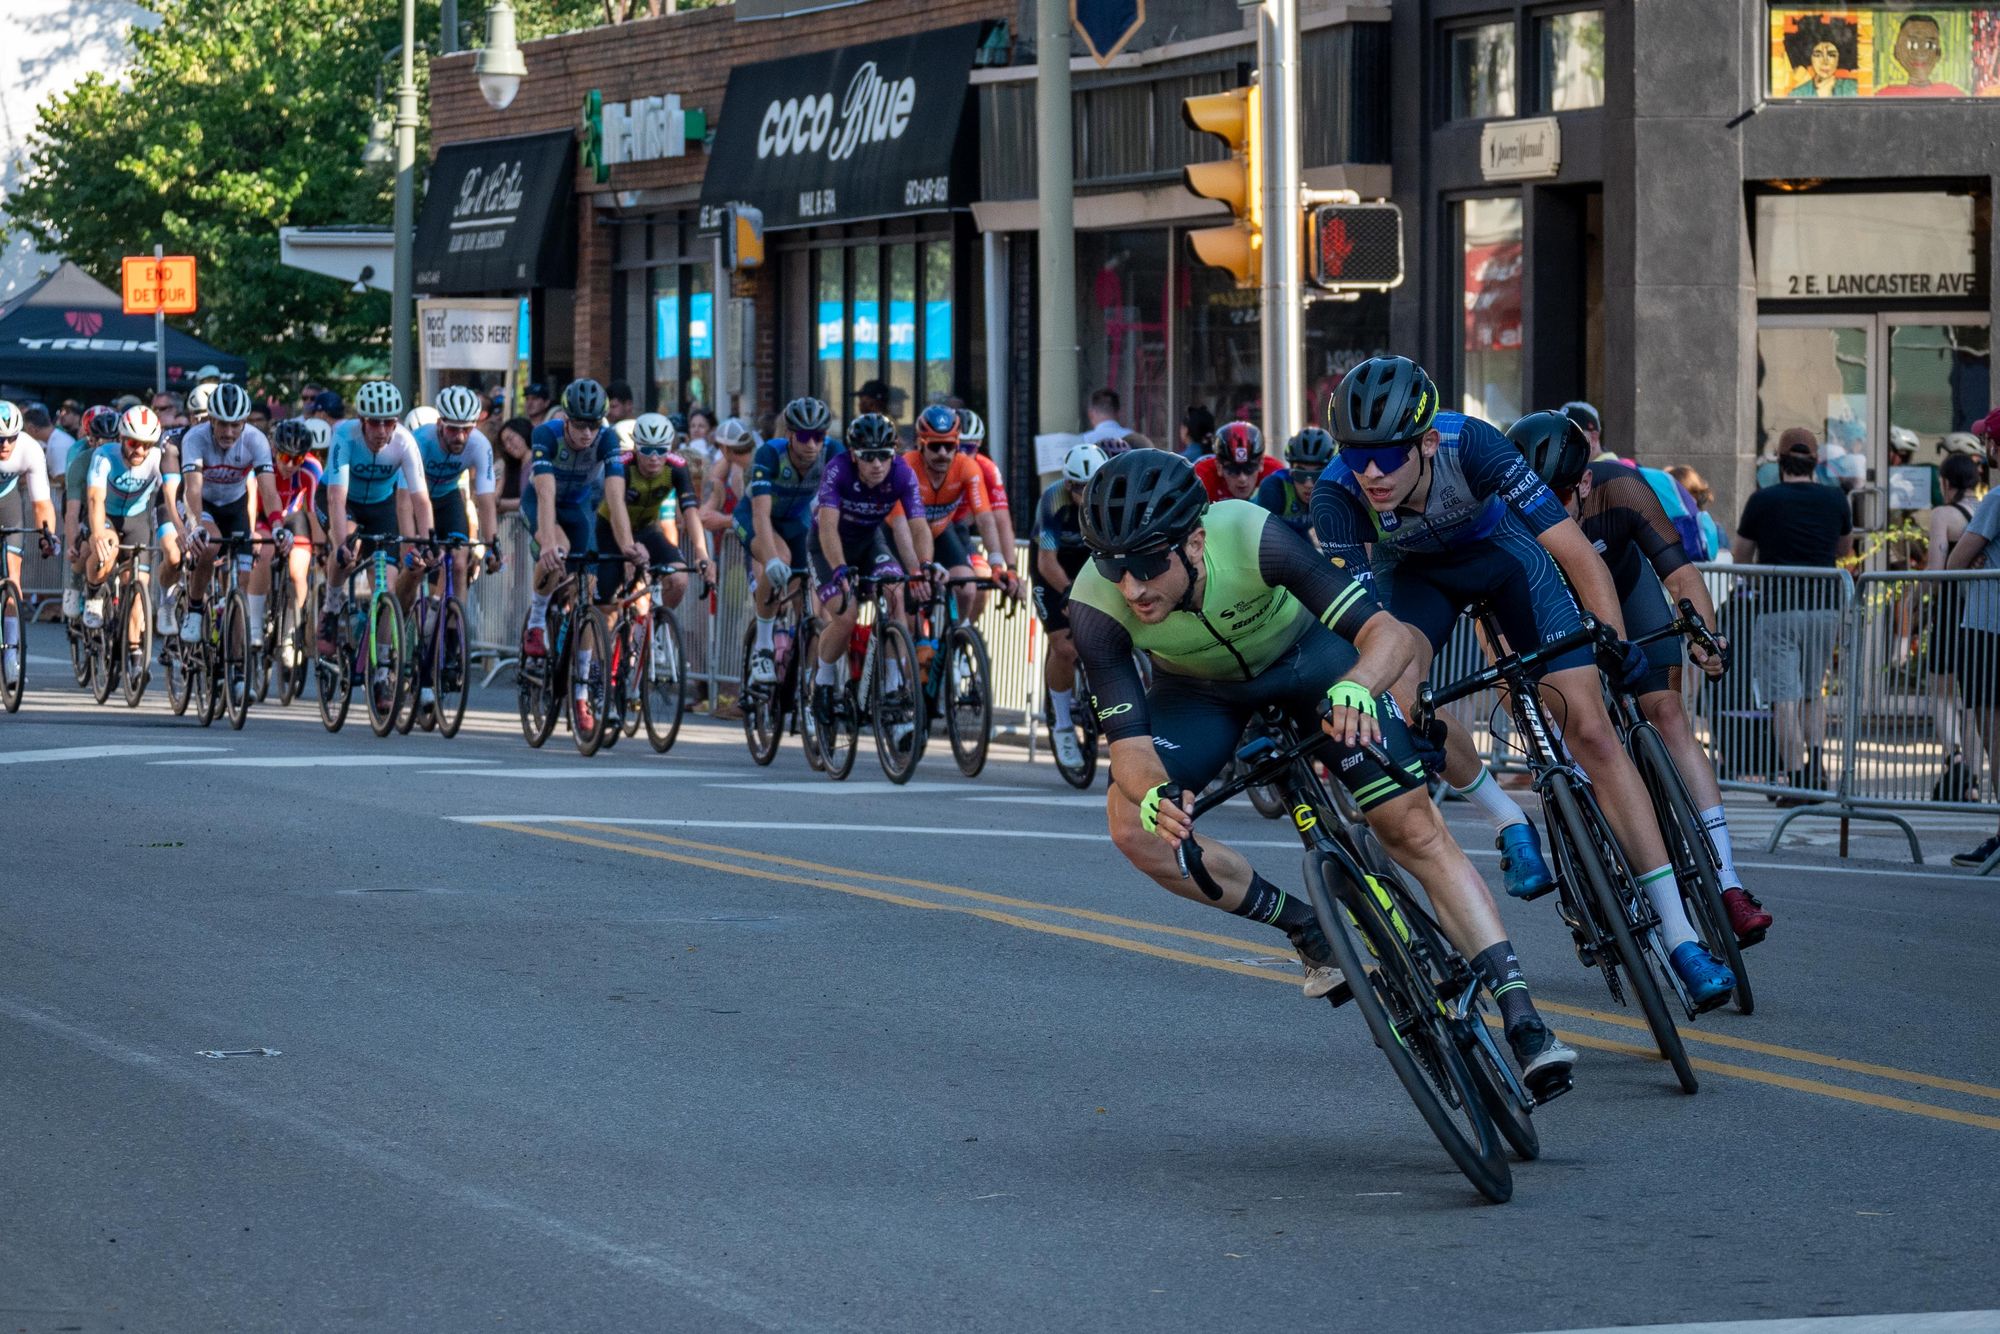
(742, 237)
(1235, 118)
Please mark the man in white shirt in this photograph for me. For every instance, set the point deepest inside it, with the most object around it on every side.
(1104, 427)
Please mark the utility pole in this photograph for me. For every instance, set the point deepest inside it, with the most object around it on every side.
(402, 359)
(1055, 184)
(1283, 303)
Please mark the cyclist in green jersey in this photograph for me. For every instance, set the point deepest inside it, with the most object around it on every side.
(1238, 613)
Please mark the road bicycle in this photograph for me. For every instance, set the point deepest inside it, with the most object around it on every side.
(368, 641)
(288, 629)
(1083, 725)
(881, 688)
(568, 681)
(649, 671)
(220, 665)
(1613, 922)
(957, 671)
(119, 652)
(770, 709)
(1697, 865)
(440, 652)
(14, 684)
(1422, 1002)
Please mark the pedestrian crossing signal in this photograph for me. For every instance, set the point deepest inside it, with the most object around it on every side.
(1356, 247)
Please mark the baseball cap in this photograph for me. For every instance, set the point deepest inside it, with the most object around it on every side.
(1798, 440)
(1989, 425)
(1583, 414)
(873, 389)
(328, 402)
(536, 389)
(209, 372)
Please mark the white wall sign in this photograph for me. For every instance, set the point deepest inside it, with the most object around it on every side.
(1845, 247)
(467, 335)
(644, 129)
(1520, 150)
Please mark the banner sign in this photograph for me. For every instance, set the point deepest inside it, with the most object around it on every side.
(469, 335)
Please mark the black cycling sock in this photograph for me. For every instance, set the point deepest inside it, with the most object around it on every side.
(1265, 902)
(1501, 972)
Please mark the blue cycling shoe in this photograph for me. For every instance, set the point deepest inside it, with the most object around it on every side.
(1707, 980)
(1528, 875)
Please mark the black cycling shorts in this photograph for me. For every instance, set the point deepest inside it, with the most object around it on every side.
(866, 553)
(448, 515)
(1511, 573)
(1198, 724)
(1645, 610)
(230, 517)
(373, 518)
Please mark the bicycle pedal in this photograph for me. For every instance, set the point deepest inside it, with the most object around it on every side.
(1547, 889)
(1549, 1087)
(1754, 938)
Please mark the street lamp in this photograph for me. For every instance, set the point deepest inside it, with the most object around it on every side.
(500, 70)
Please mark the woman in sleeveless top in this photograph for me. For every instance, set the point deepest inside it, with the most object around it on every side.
(1959, 477)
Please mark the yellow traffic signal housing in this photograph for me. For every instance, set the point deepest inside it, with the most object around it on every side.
(1235, 117)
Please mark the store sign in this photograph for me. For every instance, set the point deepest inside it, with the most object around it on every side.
(1862, 247)
(645, 129)
(469, 335)
(1520, 150)
(866, 131)
(494, 215)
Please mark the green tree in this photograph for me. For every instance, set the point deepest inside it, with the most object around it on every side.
(235, 118)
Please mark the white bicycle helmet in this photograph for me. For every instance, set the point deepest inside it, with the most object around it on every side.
(378, 399)
(1082, 462)
(228, 402)
(971, 426)
(198, 400)
(10, 420)
(141, 423)
(1960, 442)
(321, 432)
(457, 405)
(420, 416)
(652, 430)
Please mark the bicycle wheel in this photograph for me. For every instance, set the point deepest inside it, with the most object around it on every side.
(107, 663)
(894, 702)
(420, 653)
(82, 659)
(237, 651)
(178, 659)
(967, 696)
(664, 699)
(590, 670)
(260, 658)
(763, 715)
(1083, 727)
(1403, 1016)
(1689, 850)
(1496, 1085)
(205, 671)
(382, 663)
(135, 628)
(288, 678)
(454, 673)
(334, 676)
(14, 682)
(1583, 842)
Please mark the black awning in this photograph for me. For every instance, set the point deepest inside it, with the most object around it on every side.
(499, 217)
(861, 132)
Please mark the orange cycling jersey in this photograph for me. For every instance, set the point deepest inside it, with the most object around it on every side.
(962, 486)
(996, 494)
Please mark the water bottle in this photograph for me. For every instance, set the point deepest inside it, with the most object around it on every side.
(781, 647)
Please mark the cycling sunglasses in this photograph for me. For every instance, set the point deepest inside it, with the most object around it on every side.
(653, 451)
(1141, 565)
(941, 446)
(1306, 474)
(1242, 469)
(809, 437)
(1387, 458)
(874, 455)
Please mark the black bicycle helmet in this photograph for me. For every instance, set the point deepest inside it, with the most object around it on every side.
(102, 424)
(584, 401)
(1310, 448)
(291, 437)
(1554, 446)
(1139, 500)
(871, 430)
(808, 414)
(1383, 401)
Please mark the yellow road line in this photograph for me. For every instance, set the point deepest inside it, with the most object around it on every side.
(1798, 1054)
(1227, 965)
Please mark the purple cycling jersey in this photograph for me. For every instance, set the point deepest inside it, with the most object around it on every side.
(864, 507)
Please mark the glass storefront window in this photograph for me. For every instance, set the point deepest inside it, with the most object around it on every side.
(830, 319)
(667, 335)
(1816, 378)
(1339, 336)
(700, 339)
(1490, 360)
(1572, 60)
(864, 323)
(903, 324)
(1481, 62)
(1122, 324)
(1885, 51)
(1939, 378)
(937, 318)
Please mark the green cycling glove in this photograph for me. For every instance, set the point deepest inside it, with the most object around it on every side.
(1149, 805)
(1347, 695)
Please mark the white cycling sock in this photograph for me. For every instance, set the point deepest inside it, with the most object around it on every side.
(892, 675)
(1486, 797)
(254, 602)
(538, 611)
(764, 624)
(1717, 825)
(826, 673)
(1665, 893)
(1060, 702)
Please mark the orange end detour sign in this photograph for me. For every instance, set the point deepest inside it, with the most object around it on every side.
(165, 285)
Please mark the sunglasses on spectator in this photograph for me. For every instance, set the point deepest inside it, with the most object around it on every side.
(1141, 565)
(874, 455)
(1387, 458)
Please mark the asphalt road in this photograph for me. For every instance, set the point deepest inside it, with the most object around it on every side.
(645, 1042)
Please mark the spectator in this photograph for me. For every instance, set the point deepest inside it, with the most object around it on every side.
(1988, 433)
(56, 443)
(1586, 417)
(698, 447)
(513, 459)
(308, 392)
(260, 415)
(69, 417)
(1197, 432)
(875, 396)
(537, 400)
(1697, 488)
(618, 401)
(1958, 477)
(328, 407)
(1978, 660)
(1103, 412)
(1805, 523)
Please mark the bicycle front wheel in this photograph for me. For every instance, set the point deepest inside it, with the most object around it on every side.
(763, 713)
(418, 657)
(178, 658)
(1584, 843)
(1689, 850)
(334, 676)
(135, 628)
(109, 664)
(82, 660)
(967, 698)
(13, 673)
(454, 672)
(590, 671)
(536, 682)
(236, 670)
(894, 702)
(664, 698)
(1402, 1015)
(382, 663)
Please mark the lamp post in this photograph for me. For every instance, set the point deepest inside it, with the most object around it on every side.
(500, 70)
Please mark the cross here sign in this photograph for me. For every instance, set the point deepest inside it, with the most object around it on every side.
(470, 335)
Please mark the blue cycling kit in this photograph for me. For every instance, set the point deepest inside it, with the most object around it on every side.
(442, 468)
(792, 489)
(128, 488)
(371, 477)
(1277, 494)
(579, 473)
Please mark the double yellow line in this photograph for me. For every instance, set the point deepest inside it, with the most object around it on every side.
(1008, 911)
